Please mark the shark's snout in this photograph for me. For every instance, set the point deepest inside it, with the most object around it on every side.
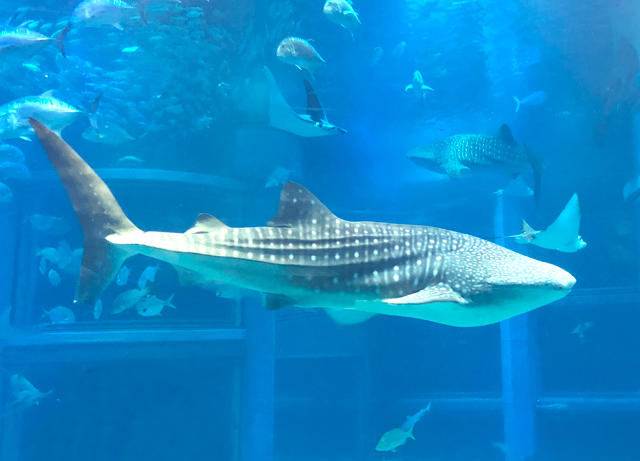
(563, 280)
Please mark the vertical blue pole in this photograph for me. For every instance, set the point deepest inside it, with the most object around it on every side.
(8, 229)
(636, 158)
(518, 394)
(259, 387)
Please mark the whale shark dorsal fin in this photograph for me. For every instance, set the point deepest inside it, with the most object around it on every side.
(314, 108)
(206, 223)
(506, 135)
(298, 207)
(434, 294)
(47, 94)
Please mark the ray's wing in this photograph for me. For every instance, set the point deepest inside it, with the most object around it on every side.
(567, 224)
(314, 108)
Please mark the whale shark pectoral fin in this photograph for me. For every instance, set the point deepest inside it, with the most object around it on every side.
(433, 294)
(206, 223)
(299, 207)
(409, 87)
(454, 169)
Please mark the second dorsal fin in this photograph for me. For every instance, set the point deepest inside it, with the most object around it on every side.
(298, 206)
(206, 223)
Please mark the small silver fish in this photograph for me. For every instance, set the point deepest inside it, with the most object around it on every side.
(23, 393)
(148, 276)
(152, 306)
(123, 276)
(127, 299)
(108, 133)
(54, 278)
(396, 437)
(60, 315)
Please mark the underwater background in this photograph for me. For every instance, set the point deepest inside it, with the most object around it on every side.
(172, 109)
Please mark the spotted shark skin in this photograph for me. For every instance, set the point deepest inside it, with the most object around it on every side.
(308, 257)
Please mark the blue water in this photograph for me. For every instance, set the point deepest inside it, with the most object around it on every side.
(221, 377)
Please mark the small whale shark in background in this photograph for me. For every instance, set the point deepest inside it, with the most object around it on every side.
(308, 257)
(474, 153)
(281, 116)
(534, 99)
(396, 437)
(417, 86)
(562, 235)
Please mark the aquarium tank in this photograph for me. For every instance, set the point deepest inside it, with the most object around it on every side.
(309, 230)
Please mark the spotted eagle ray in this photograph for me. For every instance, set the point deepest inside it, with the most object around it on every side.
(308, 257)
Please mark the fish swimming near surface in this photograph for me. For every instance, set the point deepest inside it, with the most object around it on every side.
(341, 12)
(398, 436)
(14, 115)
(562, 235)
(417, 87)
(534, 99)
(282, 116)
(308, 257)
(300, 53)
(473, 153)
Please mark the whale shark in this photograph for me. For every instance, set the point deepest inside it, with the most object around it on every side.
(308, 257)
(282, 116)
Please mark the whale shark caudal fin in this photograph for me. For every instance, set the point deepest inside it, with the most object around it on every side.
(98, 212)
(517, 103)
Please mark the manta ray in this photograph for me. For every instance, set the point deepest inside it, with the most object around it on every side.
(308, 257)
(282, 116)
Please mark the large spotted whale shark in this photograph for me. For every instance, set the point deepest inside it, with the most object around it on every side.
(308, 257)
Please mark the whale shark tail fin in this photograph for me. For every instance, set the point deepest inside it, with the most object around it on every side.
(98, 212)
